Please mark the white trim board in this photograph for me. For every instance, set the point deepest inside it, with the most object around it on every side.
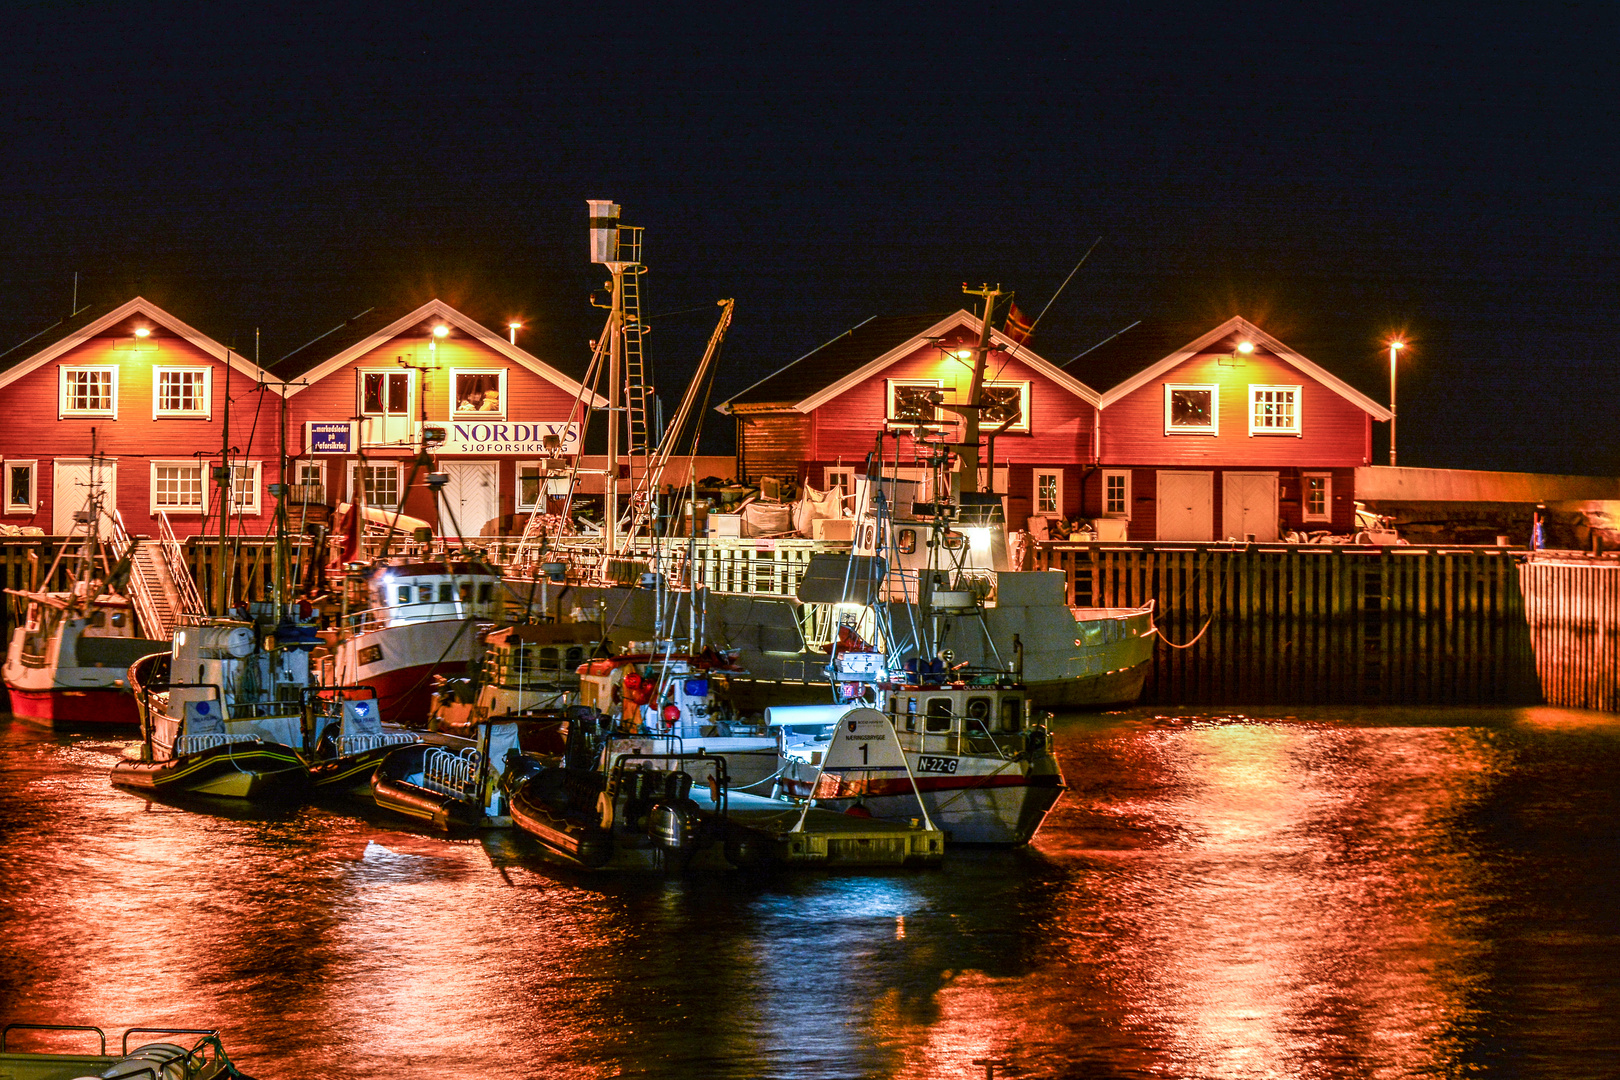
(141, 306)
(962, 318)
(441, 310)
(1238, 324)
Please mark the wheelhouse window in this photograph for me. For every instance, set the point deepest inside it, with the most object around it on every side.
(1274, 410)
(177, 487)
(89, 391)
(1049, 493)
(1191, 409)
(1117, 494)
(479, 392)
(21, 491)
(245, 487)
(915, 401)
(938, 717)
(182, 392)
(907, 541)
(1004, 401)
(1318, 500)
(379, 484)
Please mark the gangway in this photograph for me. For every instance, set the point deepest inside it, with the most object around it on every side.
(161, 586)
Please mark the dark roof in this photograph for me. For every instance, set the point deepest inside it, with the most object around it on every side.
(1150, 341)
(17, 352)
(346, 334)
(843, 355)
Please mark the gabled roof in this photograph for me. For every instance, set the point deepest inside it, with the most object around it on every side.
(1118, 353)
(73, 332)
(866, 350)
(364, 333)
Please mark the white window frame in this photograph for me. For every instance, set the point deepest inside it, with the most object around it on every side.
(839, 476)
(454, 414)
(1022, 427)
(889, 388)
(355, 479)
(204, 413)
(203, 477)
(1214, 426)
(1107, 475)
(65, 371)
(374, 426)
(251, 506)
(33, 485)
(300, 464)
(517, 496)
(1255, 428)
(1327, 496)
(1057, 493)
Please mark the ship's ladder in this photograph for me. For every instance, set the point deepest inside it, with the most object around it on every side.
(638, 394)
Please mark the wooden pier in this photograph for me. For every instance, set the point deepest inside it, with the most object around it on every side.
(1318, 624)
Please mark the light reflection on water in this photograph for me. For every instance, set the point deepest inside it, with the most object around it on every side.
(1326, 894)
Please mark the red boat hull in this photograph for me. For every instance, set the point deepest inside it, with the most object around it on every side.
(72, 708)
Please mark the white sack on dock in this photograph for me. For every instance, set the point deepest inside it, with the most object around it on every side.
(767, 519)
(817, 504)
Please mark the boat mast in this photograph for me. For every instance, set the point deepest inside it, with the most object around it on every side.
(223, 478)
(604, 228)
(967, 479)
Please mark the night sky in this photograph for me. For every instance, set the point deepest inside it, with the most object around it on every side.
(1445, 169)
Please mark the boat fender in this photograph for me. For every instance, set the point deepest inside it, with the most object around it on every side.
(162, 1061)
(604, 809)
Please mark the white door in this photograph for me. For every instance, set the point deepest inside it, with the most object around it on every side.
(472, 495)
(1186, 506)
(1249, 506)
(72, 486)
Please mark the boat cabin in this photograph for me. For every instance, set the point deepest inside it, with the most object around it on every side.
(397, 593)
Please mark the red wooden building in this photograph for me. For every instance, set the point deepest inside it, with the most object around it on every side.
(134, 399)
(495, 416)
(817, 418)
(1229, 435)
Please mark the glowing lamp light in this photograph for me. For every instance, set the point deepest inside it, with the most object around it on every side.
(1397, 344)
(1245, 347)
(441, 330)
(964, 354)
(143, 331)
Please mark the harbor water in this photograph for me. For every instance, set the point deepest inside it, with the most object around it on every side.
(1323, 894)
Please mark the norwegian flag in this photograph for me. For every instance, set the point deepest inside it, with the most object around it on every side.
(1017, 328)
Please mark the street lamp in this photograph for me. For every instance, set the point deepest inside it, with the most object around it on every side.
(1394, 349)
(512, 328)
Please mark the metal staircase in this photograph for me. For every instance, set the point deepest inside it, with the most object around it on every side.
(160, 583)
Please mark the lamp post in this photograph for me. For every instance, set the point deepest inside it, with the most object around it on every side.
(1394, 349)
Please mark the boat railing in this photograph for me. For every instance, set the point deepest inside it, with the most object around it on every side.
(5, 1033)
(452, 772)
(262, 710)
(357, 744)
(192, 744)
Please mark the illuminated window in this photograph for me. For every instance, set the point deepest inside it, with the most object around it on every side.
(1274, 410)
(1117, 494)
(1191, 410)
(478, 392)
(840, 478)
(1049, 493)
(1004, 401)
(1318, 496)
(914, 401)
(181, 392)
(379, 483)
(89, 391)
(245, 488)
(177, 487)
(20, 488)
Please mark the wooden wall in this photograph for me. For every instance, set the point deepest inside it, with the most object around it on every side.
(1575, 624)
(1335, 431)
(774, 444)
(1319, 624)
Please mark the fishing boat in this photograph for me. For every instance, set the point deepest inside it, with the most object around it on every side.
(202, 1059)
(405, 620)
(982, 765)
(528, 673)
(235, 726)
(66, 663)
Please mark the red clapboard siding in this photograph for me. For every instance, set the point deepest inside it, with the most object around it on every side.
(1335, 431)
(773, 444)
(1060, 423)
(134, 438)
